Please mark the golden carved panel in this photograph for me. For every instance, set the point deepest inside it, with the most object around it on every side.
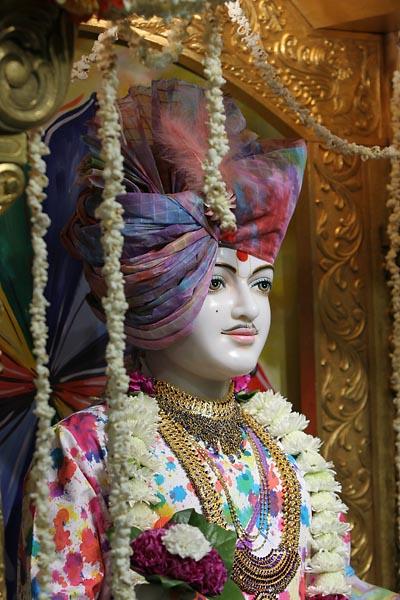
(336, 76)
(341, 345)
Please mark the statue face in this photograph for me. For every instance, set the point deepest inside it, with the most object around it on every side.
(232, 327)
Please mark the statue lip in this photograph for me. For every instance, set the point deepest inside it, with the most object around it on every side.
(241, 330)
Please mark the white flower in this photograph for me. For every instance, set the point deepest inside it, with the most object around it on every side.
(330, 583)
(311, 461)
(186, 541)
(327, 522)
(141, 516)
(267, 407)
(287, 424)
(298, 441)
(329, 541)
(322, 481)
(326, 561)
(327, 501)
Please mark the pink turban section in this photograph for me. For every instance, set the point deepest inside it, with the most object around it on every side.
(170, 243)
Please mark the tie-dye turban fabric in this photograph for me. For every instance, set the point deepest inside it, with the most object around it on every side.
(171, 240)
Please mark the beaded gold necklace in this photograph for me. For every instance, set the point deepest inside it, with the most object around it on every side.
(216, 422)
(267, 576)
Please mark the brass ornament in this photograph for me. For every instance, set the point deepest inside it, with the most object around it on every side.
(36, 48)
(12, 183)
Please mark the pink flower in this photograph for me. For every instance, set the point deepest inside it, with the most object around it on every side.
(241, 383)
(141, 383)
(150, 557)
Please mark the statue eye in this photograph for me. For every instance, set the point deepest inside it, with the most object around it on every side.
(264, 285)
(216, 284)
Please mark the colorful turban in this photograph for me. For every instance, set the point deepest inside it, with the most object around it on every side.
(171, 240)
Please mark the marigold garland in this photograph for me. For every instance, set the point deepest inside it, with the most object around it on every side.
(42, 462)
(393, 266)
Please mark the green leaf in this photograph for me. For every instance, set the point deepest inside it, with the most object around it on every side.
(230, 592)
(168, 583)
(182, 516)
(135, 532)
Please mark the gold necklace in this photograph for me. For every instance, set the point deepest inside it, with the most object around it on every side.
(218, 423)
(268, 576)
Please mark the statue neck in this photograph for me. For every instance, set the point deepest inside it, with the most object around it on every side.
(163, 369)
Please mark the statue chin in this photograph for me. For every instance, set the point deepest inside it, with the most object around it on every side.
(230, 331)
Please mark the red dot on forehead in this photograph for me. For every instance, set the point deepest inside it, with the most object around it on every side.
(242, 256)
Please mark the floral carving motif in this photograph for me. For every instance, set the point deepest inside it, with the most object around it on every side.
(342, 347)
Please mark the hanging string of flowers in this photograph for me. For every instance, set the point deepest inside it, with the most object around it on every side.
(42, 462)
(270, 75)
(393, 266)
(330, 549)
(217, 197)
(81, 68)
(114, 303)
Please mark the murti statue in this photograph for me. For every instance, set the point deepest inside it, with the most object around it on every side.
(198, 318)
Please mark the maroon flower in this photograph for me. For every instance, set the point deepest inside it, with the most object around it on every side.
(141, 383)
(150, 557)
(149, 553)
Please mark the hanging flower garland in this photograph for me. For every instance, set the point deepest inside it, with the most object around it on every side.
(270, 75)
(330, 551)
(122, 504)
(393, 266)
(42, 462)
(217, 198)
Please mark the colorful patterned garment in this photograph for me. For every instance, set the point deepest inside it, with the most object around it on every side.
(79, 519)
(78, 512)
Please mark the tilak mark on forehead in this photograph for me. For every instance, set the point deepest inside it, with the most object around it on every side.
(242, 256)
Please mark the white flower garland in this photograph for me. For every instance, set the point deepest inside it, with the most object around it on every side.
(124, 504)
(217, 198)
(42, 456)
(141, 50)
(81, 68)
(393, 267)
(270, 75)
(327, 563)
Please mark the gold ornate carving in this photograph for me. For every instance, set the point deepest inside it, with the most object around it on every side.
(342, 346)
(12, 183)
(337, 78)
(36, 45)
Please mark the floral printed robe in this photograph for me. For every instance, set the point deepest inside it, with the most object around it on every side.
(79, 519)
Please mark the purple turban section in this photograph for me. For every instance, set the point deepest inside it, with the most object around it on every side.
(170, 244)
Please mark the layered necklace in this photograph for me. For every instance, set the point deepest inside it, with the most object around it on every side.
(187, 420)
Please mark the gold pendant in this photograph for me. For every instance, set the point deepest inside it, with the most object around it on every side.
(266, 576)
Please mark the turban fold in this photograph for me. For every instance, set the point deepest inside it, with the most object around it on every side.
(170, 239)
